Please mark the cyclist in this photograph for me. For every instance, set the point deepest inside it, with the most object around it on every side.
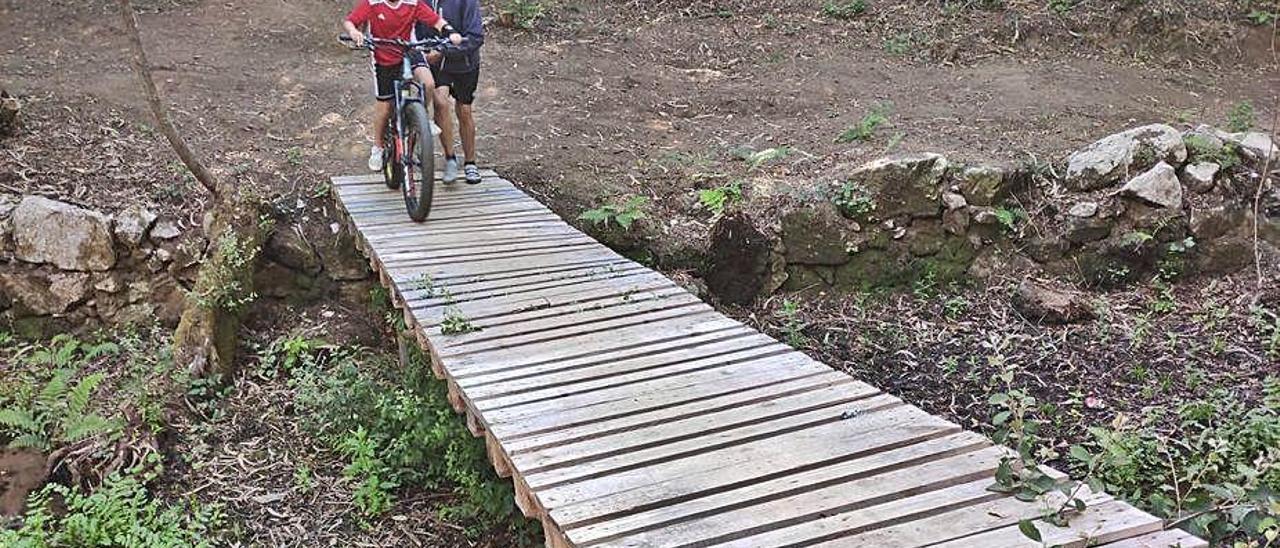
(456, 74)
(393, 19)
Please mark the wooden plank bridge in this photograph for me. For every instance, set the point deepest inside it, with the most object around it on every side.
(629, 413)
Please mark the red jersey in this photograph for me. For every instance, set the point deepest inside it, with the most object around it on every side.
(390, 20)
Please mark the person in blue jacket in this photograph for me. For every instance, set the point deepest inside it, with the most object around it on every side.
(457, 72)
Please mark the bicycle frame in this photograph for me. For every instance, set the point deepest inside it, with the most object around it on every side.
(404, 83)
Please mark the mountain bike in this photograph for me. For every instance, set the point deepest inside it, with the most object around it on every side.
(408, 154)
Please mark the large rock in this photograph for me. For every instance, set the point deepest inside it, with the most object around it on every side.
(41, 294)
(71, 238)
(132, 224)
(1040, 302)
(289, 247)
(745, 262)
(1111, 158)
(816, 236)
(902, 186)
(1157, 186)
(982, 185)
(1199, 176)
(1254, 145)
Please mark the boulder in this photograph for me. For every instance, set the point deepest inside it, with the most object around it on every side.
(342, 259)
(745, 261)
(1082, 230)
(816, 236)
(69, 237)
(1043, 303)
(131, 225)
(956, 221)
(290, 248)
(1199, 176)
(1210, 223)
(982, 185)
(165, 229)
(1083, 210)
(904, 186)
(41, 294)
(1112, 158)
(1254, 145)
(952, 201)
(1157, 186)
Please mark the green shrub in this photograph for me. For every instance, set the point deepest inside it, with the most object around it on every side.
(624, 214)
(717, 199)
(118, 513)
(844, 9)
(396, 427)
(523, 14)
(866, 128)
(1212, 465)
(1241, 117)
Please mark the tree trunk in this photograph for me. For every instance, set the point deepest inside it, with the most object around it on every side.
(206, 338)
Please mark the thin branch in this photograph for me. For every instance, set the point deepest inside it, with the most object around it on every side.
(138, 58)
(1263, 182)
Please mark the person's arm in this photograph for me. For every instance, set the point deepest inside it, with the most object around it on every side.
(357, 18)
(433, 20)
(472, 29)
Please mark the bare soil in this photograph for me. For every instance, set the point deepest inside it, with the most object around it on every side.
(603, 99)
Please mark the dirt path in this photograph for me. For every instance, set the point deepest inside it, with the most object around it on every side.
(593, 104)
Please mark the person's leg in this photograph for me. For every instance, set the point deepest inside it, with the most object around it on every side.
(383, 93)
(443, 120)
(467, 130)
(381, 115)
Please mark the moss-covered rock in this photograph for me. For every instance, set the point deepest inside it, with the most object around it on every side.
(904, 186)
(817, 235)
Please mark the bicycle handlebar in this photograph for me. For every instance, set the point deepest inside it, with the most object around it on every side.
(371, 42)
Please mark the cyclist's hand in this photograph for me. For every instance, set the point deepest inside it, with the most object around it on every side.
(455, 38)
(357, 38)
(433, 57)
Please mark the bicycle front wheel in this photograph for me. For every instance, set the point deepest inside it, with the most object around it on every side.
(419, 162)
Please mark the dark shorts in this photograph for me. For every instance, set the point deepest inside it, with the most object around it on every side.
(462, 85)
(384, 76)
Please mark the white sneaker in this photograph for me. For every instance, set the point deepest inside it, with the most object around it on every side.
(375, 159)
(450, 170)
(435, 130)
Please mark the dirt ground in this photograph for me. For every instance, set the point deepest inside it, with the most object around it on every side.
(603, 99)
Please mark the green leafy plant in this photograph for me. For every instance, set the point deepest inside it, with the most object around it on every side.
(523, 14)
(44, 414)
(373, 492)
(844, 9)
(624, 214)
(854, 200)
(756, 159)
(1241, 117)
(455, 323)
(1062, 7)
(717, 199)
(793, 326)
(1211, 466)
(866, 128)
(118, 513)
(222, 286)
(1009, 218)
(899, 44)
(1202, 148)
(294, 156)
(1262, 17)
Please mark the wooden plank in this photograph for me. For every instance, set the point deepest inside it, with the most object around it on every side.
(810, 496)
(1175, 538)
(586, 345)
(722, 470)
(553, 302)
(709, 508)
(726, 402)
(1101, 523)
(543, 330)
(526, 287)
(774, 414)
(664, 361)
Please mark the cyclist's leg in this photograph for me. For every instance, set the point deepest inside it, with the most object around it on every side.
(464, 91)
(441, 98)
(384, 78)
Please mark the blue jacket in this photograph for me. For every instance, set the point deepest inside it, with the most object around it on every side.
(466, 18)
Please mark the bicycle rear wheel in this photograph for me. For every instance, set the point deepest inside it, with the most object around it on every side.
(419, 162)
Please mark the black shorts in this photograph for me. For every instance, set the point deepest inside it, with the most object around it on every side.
(384, 76)
(462, 85)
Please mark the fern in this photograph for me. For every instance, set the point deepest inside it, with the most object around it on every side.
(30, 441)
(78, 401)
(19, 419)
(55, 390)
(87, 426)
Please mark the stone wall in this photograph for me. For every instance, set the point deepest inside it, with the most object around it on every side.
(64, 267)
(1147, 200)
